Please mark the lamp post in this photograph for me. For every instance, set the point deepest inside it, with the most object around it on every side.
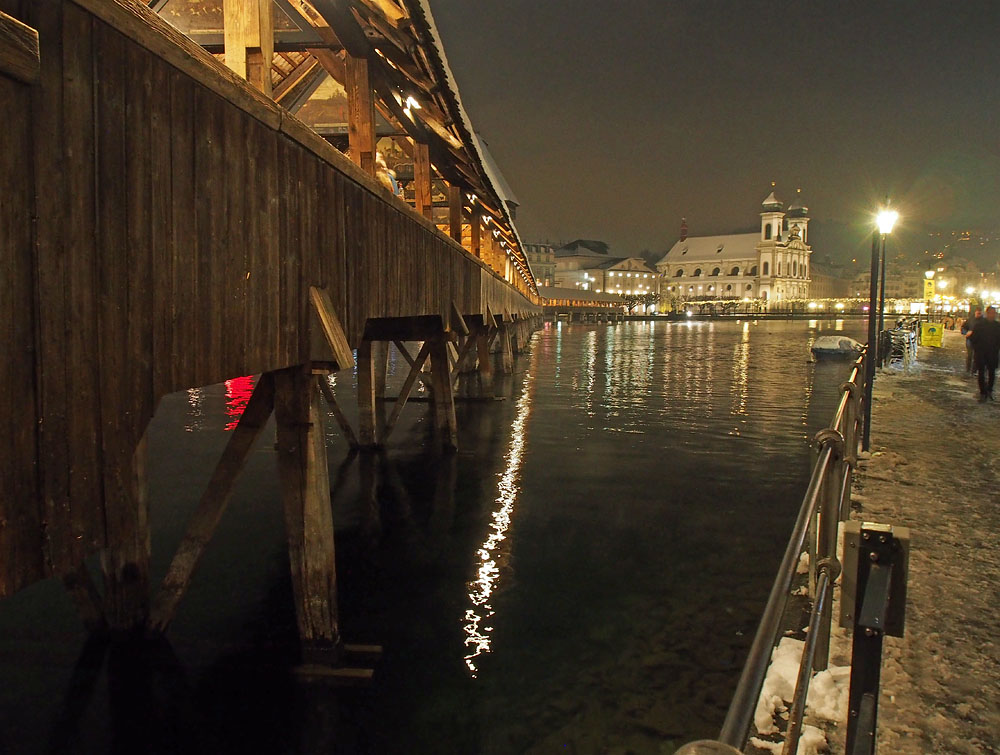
(886, 219)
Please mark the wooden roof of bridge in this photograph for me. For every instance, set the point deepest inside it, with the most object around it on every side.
(399, 38)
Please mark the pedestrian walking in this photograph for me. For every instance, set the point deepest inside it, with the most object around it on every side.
(967, 327)
(985, 338)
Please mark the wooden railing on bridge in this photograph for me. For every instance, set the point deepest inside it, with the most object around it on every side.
(162, 225)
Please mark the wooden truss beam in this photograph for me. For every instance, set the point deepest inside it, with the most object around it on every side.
(249, 40)
(18, 50)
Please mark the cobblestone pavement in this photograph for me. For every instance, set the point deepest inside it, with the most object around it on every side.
(936, 469)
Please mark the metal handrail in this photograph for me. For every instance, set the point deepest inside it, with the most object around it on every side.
(826, 498)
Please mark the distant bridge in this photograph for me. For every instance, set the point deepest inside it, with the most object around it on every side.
(574, 304)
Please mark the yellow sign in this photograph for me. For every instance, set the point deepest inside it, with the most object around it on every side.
(928, 289)
(931, 333)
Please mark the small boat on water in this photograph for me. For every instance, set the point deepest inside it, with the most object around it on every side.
(836, 347)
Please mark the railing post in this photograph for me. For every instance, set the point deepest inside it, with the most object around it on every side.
(829, 519)
(850, 458)
(878, 560)
(850, 429)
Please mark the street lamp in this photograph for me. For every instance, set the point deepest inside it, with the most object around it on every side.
(885, 220)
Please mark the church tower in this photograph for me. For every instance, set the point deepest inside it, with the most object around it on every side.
(798, 217)
(771, 218)
(768, 245)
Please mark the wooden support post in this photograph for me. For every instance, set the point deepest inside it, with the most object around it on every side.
(456, 321)
(338, 414)
(305, 488)
(404, 393)
(455, 213)
(476, 232)
(249, 40)
(366, 395)
(381, 357)
(126, 562)
(360, 113)
(411, 361)
(506, 358)
(205, 520)
(467, 354)
(444, 398)
(483, 342)
(333, 332)
(422, 180)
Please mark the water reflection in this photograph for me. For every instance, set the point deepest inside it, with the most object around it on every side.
(238, 392)
(741, 375)
(626, 622)
(494, 552)
(195, 419)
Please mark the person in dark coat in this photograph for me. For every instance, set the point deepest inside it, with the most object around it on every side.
(967, 327)
(985, 339)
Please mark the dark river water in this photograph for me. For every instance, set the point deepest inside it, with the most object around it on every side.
(585, 575)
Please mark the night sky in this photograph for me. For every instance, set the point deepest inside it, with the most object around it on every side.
(612, 120)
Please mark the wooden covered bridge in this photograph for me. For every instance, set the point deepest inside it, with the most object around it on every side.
(168, 222)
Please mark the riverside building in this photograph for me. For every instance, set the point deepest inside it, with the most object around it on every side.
(587, 265)
(771, 265)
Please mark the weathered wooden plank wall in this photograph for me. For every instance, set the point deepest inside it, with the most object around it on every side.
(20, 503)
(180, 223)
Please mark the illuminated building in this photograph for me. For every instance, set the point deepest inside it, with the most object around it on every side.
(770, 265)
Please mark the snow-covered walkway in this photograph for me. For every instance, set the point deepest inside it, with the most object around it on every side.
(936, 469)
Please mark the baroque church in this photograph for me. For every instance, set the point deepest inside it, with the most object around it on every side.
(771, 266)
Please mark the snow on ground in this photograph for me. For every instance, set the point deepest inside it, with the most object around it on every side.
(935, 468)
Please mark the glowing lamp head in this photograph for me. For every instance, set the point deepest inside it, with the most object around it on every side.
(928, 274)
(886, 219)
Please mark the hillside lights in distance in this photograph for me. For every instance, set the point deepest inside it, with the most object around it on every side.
(886, 219)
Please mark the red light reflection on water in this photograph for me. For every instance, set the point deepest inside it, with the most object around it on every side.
(238, 392)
